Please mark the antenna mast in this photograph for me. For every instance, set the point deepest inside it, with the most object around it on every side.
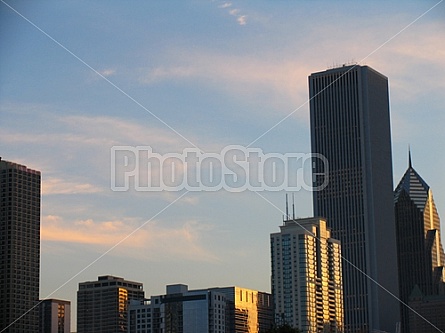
(287, 209)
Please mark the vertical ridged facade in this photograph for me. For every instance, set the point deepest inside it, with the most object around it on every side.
(419, 248)
(19, 248)
(350, 127)
(306, 276)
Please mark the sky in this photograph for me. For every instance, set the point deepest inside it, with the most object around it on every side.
(80, 77)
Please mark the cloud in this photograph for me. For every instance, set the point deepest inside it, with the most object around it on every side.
(152, 241)
(162, 72)
(243, 75)
(240, 19)
(52, 186)
(225, 5)
(108, 72)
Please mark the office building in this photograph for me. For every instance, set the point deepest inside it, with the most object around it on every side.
(248, 310)
(350, 127)
(55, 316)
(307, 276)
(102, 305)
(19, 248)
(420, 253)
(144, 316)
(213, 310)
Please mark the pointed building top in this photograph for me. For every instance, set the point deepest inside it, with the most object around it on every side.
(412, 184)
(410, 165)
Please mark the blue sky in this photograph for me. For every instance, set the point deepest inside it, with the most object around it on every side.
(219, 73)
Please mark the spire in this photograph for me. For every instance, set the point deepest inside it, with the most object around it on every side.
(410, 165)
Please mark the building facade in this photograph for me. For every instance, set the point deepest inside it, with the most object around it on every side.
(54, 316)
(102, 305)
(350, 127)
(213, 310)
(420, 253)
(19, 248)
(307, 276)
(247, 310)
(432, 313)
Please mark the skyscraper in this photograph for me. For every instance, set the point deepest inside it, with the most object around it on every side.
(19, 247)
(419, 248)
(306, 276)
(350, 126)
(102, 305)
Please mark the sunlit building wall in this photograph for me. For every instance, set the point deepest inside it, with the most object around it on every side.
(307, 276)
(19, 248)
(248, 310)
(102, 305)
(55, 316)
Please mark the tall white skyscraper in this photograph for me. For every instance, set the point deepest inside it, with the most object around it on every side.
(307, 276)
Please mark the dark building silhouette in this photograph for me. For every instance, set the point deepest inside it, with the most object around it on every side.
(102, 305)
(350, 126)
(19, 248)
(419, 248)
(432, 311)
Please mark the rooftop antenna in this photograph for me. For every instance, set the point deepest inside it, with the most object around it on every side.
(287, 209)
(293, 207)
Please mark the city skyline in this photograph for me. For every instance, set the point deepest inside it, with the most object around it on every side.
(239, 68)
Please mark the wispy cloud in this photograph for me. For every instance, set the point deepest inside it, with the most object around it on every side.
(244, 75)
(280, 74)
(241, 19)
(225, 5)
(162, 72)
(153, 241)
(108, 72)
(51, 186)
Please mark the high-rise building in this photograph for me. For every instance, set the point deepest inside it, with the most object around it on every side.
(55, 316)
(350, 127)
(102, 304)
(307, 276)
(19, 248)
(419, 248)
(213, 310)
